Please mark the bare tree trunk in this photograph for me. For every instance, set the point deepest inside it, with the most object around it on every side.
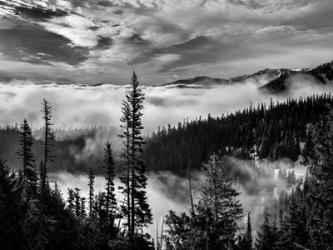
(190, 189)
(157, 243)
(129, 206)
(162, 233)
(132, 207)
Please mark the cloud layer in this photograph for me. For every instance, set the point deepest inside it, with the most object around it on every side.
(81, 106)
(101, 41)
(166, 191)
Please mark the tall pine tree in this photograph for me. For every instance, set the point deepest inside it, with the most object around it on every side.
(111, 203)
(26, 155)
(125, 155)
(138, 211)
(220, 197)
(48, 140)
(91, 192)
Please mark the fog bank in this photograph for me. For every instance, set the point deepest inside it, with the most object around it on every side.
(256, 181)
(77, 106)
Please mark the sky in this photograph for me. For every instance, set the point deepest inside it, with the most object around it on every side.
(103, 41)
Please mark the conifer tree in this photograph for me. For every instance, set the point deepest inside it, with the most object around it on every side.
(293, 226)
(26, 155)
(267, 236)
(125, 177)
(77, 202)
(91, 192)
(219, 196)
(48, 138)
(135, 179)
(248, 236)
(320, 198)
(245, 241)
(111, 202)
(12, 210)
(71, 201)
(83, 212)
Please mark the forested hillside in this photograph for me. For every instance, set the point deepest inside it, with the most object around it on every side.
(323, 74)
(300, 218)
(35, 215)
(274, 131)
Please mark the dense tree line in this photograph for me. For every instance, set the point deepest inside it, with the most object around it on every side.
(301, 219)
(305, 216)
(34, 215)
(275, 131)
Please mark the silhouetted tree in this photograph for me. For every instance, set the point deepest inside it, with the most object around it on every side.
(77, 202)
(48, 138)
(248, 236)
(267, 236)
(12, 210)
(320, 198)
(91, 192)
(140, 214)
(111, 203)
(125, 177)
(220, 197)
(26, 155)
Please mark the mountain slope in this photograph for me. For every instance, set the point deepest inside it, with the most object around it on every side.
(274, 132)
(271, 81)
(259, 78)
(322, 74)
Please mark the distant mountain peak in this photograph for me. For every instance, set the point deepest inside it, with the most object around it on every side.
(262, 77)
(269, 80)
(323, 74)
(202, 80)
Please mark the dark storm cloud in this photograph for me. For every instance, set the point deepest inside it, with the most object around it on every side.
(34, 44)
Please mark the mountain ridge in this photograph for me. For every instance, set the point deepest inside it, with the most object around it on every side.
(269, 80)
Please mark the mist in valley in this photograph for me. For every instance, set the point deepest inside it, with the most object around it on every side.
(85, 132)
(257, 181)
(80, 109)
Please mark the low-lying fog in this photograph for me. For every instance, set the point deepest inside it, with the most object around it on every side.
(258, 184)
(83, 106)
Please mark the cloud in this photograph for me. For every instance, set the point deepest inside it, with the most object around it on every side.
(19, 43)
(79, 106)
(166, 191)
(86, 117)
(160, 198)
(75, 28)
(206, 36)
